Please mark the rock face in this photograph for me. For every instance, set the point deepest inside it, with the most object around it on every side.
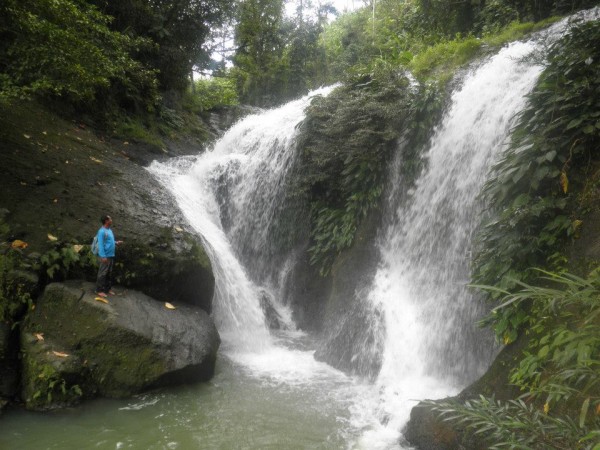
(426, 431)
(350, 334)
(76, 347)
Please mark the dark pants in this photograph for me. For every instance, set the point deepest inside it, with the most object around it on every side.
(104, 280)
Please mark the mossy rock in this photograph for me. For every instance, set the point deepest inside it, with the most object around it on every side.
(115, 349)
(173, 267)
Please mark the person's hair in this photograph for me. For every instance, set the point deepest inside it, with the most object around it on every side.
(104, 218)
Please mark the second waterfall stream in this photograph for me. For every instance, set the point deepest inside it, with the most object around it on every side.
(232, 194)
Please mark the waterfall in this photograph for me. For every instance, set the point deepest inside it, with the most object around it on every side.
(232, 196)
(421, 312)
(432, 346)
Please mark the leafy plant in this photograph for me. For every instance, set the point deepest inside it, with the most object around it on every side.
(533, 194)
(59, 261)
(559, 372)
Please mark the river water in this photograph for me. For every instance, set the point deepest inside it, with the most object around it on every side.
(268, 391)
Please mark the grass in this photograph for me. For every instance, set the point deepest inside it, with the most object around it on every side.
(441, 60)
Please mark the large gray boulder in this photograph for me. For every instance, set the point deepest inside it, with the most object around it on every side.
(76, 347)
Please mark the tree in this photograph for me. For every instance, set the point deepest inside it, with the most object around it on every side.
(258, 59)
(64, 48)
(180, 28)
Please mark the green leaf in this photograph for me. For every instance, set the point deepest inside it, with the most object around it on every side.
(583, 413)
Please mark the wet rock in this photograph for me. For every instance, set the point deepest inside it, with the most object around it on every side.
(351, 324)
(76, 347)
(272, 317)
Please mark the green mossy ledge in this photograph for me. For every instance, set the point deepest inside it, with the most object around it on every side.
(75, 347)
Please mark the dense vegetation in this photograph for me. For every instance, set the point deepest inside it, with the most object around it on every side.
(535, 208)
(559, 373)
(105, 58)
(347, 143)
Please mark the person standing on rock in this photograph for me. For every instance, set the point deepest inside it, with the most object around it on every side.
(106, 253)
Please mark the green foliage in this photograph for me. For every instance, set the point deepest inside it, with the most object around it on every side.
(51, 387)
(14, 297)
(347, 140)
(444, 58)
(214, 92)
(258, 60)
(64, 48)
(57, 263)
(180, 30)
(566, 346)
(534, 208)
(517, 424)
(559, 372)
(134, 128)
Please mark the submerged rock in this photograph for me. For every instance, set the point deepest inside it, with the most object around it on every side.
(76, 347)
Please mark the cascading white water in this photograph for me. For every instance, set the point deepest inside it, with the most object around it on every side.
(231, 195)
(432, 347)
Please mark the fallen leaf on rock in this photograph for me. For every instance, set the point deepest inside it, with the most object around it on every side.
(60, 354)
(19, 244)
(39, 336)
(77, 248)
(103, 300)
(169, 306)
(52, 238)
(96, 160)
(179, 229)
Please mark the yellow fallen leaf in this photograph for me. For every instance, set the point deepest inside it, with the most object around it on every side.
(96, 160)
(52, 238)
(546, 408)
(103, 300)
(178, 229)
(77, 248)
(60, 354)
(19, 244)
(39, 336)
(169, 306)
(564, 181)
